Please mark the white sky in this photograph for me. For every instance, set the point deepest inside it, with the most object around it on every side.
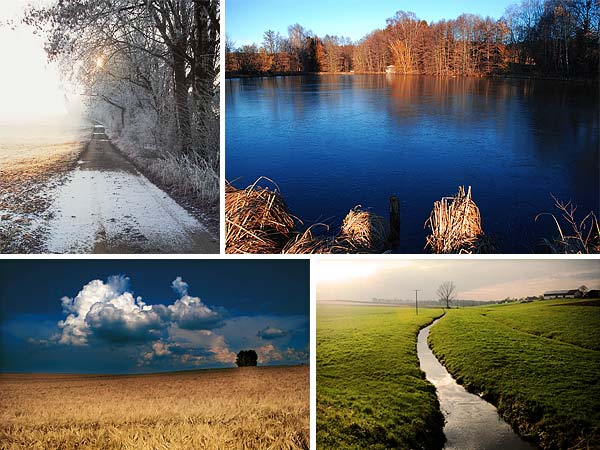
(481, 279)
(29, 86)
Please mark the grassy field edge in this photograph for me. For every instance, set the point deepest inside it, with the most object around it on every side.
(373, 394)
(529, 418)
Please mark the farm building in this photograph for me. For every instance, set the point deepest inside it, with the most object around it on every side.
(390, 69)
(567, 293)
(592, 293)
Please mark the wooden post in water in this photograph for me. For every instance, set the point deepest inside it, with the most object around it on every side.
(394, 237)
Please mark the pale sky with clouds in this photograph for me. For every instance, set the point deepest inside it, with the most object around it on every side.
(363, 279)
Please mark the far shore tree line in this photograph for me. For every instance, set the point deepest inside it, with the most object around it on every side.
(556, 38)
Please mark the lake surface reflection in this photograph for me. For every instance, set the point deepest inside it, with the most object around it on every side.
(336, 141)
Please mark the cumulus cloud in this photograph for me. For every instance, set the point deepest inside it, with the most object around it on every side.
(180, 286)
(268, 353)
(271, 333)
(158, 350)
(189, 347)
(191, 314)
(186, 332)
(221, 352)
(215, 344)
(108, 312)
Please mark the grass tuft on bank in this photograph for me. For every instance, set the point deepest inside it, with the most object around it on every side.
(371, 393)
(537, 362)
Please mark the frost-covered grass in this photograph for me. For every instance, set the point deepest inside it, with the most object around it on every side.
(189, 175)
(537, 362)
(28, 172)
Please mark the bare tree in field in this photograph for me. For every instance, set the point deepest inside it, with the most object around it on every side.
(446, 292)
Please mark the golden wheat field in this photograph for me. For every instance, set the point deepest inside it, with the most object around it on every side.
(243, 408)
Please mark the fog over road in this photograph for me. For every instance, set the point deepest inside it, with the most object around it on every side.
(107, 206)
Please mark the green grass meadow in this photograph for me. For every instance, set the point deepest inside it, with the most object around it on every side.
(371, 393)
(539, 363)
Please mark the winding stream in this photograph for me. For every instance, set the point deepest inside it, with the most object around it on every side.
(471, 422)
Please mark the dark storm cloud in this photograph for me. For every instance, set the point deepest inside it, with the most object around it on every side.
(271, 333)
(107, 321)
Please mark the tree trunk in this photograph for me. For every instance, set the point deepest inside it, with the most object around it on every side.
(201, 51)
(182, 107)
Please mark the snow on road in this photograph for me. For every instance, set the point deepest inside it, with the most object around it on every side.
(107, 206)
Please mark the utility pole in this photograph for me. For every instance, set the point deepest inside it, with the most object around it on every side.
(417, 300)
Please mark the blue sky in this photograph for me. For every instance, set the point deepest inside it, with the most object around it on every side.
(145, 316)
(246, 21)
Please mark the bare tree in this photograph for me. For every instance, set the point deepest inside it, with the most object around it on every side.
(446, 292)
(270, 41)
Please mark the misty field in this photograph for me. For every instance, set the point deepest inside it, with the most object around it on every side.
(264, 407)
(371, 393)
(537, 362)
(33, 160)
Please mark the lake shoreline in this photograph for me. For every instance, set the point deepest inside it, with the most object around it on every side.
(241, 76)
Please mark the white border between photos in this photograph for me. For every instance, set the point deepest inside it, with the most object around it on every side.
(222, 131)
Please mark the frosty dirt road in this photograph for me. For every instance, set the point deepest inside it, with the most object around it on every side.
(107, 206)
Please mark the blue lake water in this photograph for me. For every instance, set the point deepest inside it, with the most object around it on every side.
(336, 141)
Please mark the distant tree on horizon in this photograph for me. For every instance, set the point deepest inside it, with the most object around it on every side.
(446, 292)
(246, 358)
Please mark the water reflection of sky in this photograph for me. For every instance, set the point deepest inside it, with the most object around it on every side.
(332, 142)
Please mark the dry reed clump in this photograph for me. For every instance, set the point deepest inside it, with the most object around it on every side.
(363, 231)
(250, 408)
(580, 236)
(307, 243)
(455, 224)
(257, 220)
